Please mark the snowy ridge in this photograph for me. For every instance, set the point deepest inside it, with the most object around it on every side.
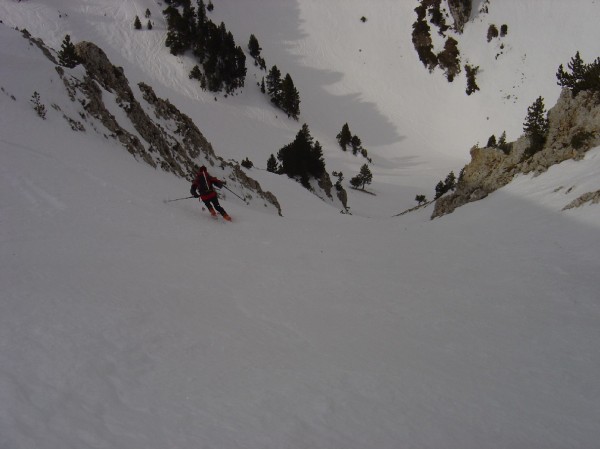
(128, 322)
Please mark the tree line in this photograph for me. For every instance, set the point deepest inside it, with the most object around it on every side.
(221, 63)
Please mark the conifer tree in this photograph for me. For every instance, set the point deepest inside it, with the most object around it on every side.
(420, 199)
(195, 73)
(445, 186)
(302, 158)
(274, 85)
(201, 14)
(254, 47)
(364, 177)
(290, 98)
(356, 144)
(344, 136)
(502, 140)
(137, 24)
(536, 126)
(175, 39)
(582, 77)
(439, 189)
(450, 182)
(471, 72)
(449, 59)
(502, 144)
(67, 56)
(340, 178)
(421, 38)
(272, 165)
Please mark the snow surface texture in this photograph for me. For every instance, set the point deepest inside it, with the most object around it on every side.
(127, 322)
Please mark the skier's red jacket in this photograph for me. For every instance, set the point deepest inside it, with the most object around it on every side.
(203, 183)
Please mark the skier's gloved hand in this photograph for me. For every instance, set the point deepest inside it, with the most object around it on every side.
(196, 195)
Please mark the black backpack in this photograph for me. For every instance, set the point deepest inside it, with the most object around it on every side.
(202, 183)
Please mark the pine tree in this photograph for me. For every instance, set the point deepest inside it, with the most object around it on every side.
(491, 143)
(471, 72)
(356, 144)
(137, 24)
(344, 136)
(274, 85)
(175, 39)
(149, 25)
(440, 189)
(450, 182)
(195, 73)
(421, 38)
(67, 56)
(254, 47)
(340, 178)
(503, 145)
(147, 14)
(272, 165)
(364, 177)
(290, 98)
(536, 126)
(582, 77)
(449, 59)
(201, 14)
(355, 182)
(502, 140)
(302, 158)
(247, 163)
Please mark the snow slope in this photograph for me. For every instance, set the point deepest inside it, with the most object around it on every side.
(128, 322)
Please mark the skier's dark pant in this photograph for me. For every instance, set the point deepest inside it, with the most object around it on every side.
(214, 203)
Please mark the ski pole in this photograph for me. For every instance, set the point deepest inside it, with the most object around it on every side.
(246, 202)
(178, 199)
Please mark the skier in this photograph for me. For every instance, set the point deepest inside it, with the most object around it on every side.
(202, 187)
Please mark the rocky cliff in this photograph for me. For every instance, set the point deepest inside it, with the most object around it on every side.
(152, 129)
(574, 128)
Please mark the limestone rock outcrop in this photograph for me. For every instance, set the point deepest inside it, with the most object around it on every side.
(574, 128)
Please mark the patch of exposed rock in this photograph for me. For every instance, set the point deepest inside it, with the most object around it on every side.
(574, 128)
(325, 184)
(39, 44)
(589, 197)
